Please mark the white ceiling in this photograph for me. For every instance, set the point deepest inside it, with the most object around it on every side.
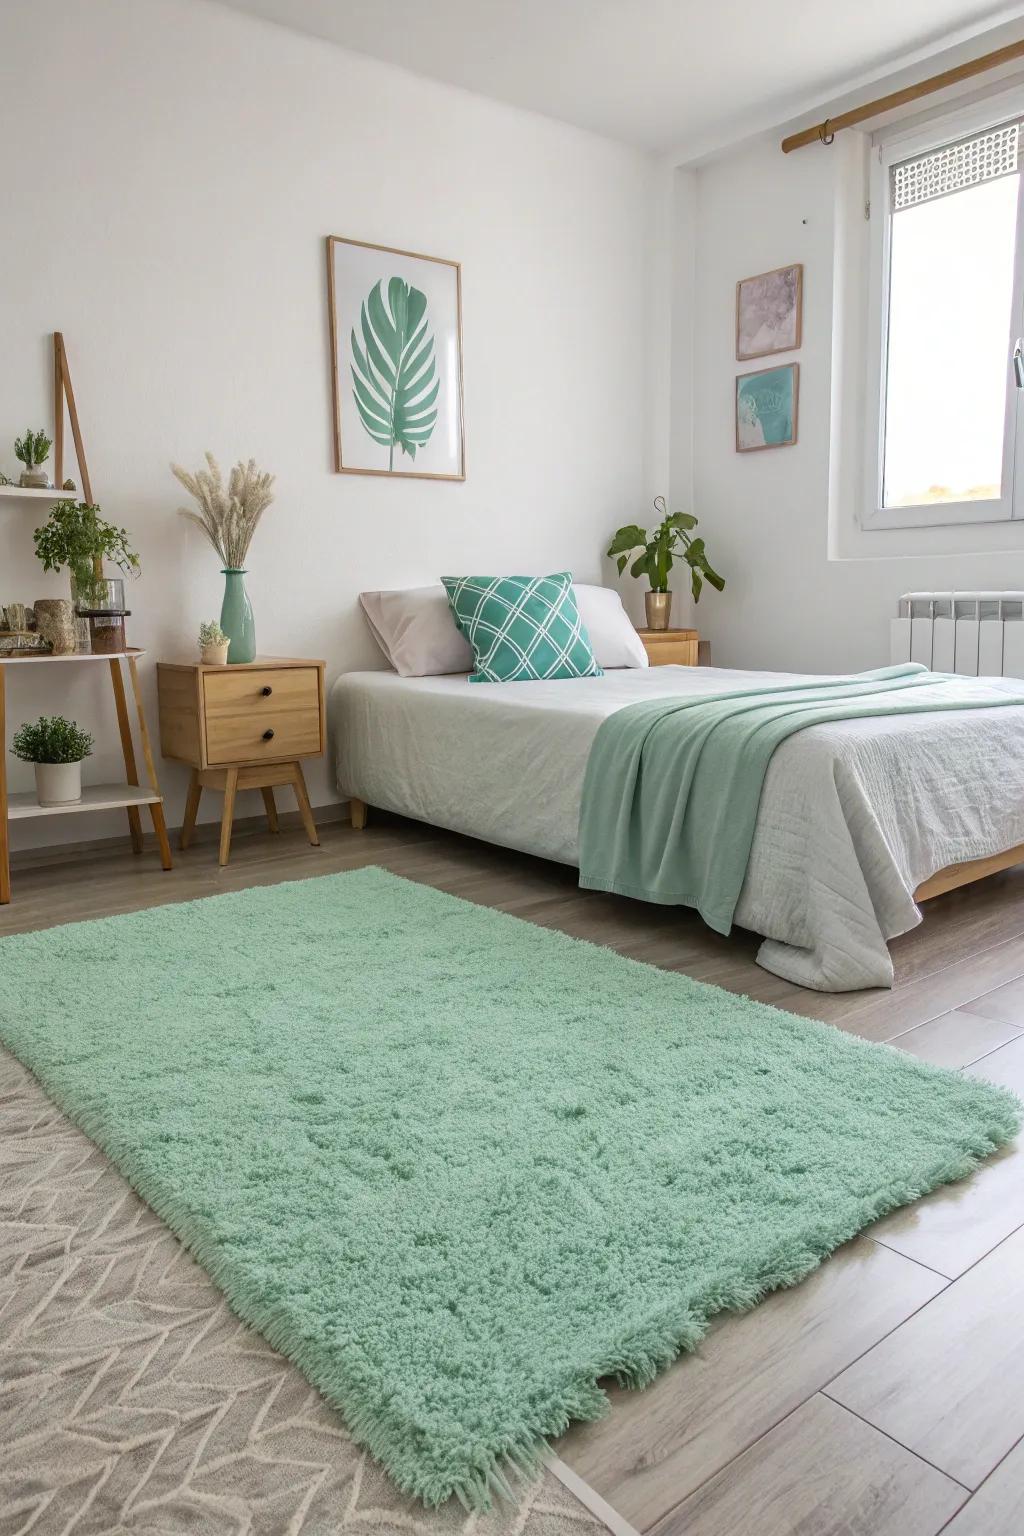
(655, 73)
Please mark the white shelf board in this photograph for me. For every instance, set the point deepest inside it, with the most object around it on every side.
(95, 797)
(38, 492)
(36, 658)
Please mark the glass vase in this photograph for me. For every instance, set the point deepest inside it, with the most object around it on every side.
(236, 618)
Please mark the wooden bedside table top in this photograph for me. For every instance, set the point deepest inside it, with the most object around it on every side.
(667, 634)
(242, 666)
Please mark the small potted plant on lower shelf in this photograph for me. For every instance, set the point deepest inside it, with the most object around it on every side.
(213, 645)
(57, 748)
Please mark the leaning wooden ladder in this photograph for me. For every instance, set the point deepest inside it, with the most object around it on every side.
(130, 796)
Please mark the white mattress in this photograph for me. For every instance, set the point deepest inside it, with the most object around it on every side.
(854, 815)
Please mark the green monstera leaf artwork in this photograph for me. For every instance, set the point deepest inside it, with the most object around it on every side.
(394, 371)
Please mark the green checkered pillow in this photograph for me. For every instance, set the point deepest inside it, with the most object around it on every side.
(521, 627)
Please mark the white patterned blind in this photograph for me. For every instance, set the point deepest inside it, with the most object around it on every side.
(956, 167)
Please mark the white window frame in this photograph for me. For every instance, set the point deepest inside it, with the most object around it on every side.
(889, 149)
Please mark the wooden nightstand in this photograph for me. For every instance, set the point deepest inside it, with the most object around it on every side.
(670, 647)
(243, 727)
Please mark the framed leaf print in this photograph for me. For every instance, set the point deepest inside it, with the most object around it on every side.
(396, 353)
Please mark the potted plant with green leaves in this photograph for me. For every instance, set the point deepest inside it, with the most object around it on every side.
(671, 540)
(33, 450)
(213, 645)
(57, 748)
(78, 539)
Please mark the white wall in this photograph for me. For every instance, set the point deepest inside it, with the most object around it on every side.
(170, 172)
(807, 588)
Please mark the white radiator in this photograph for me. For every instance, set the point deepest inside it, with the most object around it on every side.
(979, 634)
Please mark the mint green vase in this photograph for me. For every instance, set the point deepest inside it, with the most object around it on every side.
(236, 618)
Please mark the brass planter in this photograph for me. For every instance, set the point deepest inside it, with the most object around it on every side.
(659, 609)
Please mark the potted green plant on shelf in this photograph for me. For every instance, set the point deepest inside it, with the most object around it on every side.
(229, 517)
(658, 552)
(213, 645)
(57, 748)
(33, 450)
(77, 538)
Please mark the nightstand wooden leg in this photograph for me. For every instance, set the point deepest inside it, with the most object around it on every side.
(127, 750)
(305, 809)
(5, 871)
(156, 810)
(270, 807)
(357, 810)
(188, 825)
(228, 814)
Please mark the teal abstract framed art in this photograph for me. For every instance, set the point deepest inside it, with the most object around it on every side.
(766, 408)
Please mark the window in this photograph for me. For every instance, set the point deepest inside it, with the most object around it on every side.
(949, 312)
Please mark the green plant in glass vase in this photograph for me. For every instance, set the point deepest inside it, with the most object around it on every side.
(78, 539)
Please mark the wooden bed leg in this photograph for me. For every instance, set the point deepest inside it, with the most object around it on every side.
(357, 810)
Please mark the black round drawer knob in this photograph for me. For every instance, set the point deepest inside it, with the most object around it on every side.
(268, 735)
(267, 691)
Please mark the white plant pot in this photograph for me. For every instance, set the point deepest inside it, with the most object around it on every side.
(215, 655)
(58, 783)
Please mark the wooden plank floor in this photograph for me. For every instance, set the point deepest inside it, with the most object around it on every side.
(880, 1396)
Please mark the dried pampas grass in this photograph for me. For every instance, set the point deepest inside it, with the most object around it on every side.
(228, 518)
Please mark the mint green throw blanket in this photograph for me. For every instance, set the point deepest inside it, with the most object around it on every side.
(672, 785)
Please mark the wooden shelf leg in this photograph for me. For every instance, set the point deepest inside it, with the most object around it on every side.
(227, 815)
(188, 826)
(305, 809)
(156, 810)
(5, 869)
(270, 807)
(128, 749)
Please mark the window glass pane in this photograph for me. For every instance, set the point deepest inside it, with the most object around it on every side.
(950, 295)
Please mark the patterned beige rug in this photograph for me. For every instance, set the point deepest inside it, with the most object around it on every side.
(133, 1401)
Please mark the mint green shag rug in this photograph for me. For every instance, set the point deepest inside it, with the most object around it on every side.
(459, 1167)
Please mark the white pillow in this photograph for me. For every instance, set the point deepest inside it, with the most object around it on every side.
(415, 630)
(613, 640)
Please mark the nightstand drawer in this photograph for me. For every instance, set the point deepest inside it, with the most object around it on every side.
(256, 713)
(670, 647)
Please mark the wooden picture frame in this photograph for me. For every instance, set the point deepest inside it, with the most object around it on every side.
(430, 428)
(774, 421)
(765, 302)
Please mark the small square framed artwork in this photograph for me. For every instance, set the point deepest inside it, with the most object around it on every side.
(767, 403)
(769, 312)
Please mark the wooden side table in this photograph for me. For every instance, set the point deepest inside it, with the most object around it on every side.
(243, 727)
(670, 647)
(129, 796)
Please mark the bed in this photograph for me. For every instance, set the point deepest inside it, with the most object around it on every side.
(856, 818)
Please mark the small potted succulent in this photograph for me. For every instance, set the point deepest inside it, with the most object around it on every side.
(57, 748)
(33, 450)
(213, 645)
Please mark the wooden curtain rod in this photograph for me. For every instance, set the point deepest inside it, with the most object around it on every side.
(823, 133)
